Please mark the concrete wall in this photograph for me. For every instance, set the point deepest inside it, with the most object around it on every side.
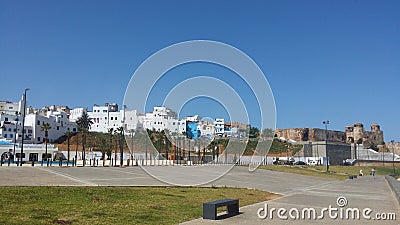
(337, 152)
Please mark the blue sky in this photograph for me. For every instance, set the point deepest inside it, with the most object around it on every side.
(335, 60)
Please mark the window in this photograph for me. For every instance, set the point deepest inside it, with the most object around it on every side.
(29, 131)
(15, 130)
(9, 129)
(11, 136)
(6, 119)
(111, 118)
(116, 118)
(104, 110)
(38, 123)
(58, 128)
(38, 138)
(5, 135)
(10, 107)
(19, 155)
(74, 130)
(105, 118)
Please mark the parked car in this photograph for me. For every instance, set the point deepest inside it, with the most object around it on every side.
(300, 163)
(283, 161)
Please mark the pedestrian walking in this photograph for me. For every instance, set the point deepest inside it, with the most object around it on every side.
(373, 172)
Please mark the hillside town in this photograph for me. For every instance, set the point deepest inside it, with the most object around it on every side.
(46, 125)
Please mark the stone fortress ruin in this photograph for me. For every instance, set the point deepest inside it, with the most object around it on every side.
(357, 134)
(352, 134)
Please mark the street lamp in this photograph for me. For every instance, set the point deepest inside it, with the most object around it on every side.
(121, 160)
(23, 126)
(394, 169)
(15, 132)
(326, 122)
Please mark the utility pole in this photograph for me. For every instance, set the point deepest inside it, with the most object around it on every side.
(326, 144)
(394, 169)
(23, 127)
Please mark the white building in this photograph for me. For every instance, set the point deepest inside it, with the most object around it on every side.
(219, 127)
(10, 108)
(163, 118)
(108, 116)
(74, 114)
(58, 122)
(32, 152)
(206, 129)
(11, 127)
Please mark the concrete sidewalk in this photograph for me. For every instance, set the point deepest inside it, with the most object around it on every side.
(361, 193)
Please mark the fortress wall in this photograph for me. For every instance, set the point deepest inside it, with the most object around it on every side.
(310, 134)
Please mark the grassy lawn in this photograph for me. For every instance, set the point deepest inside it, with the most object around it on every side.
(114, 205)
(335, 172)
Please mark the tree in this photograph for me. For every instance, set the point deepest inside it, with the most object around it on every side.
(68, 134)
(45, 127)
(84, 123)
(103, 143)
(110, 143)
(254, 132)
(267, 133)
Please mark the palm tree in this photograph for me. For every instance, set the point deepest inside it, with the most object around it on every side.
(45, 127)
(68, 134)
(121, 143)
(84, 123)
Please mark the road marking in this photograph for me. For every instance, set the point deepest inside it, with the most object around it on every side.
(67, 176)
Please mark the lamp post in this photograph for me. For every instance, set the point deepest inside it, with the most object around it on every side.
(394, 169)
(326, 122)
(23, 126)
(16, 132)
(383, 158)
(121, 160)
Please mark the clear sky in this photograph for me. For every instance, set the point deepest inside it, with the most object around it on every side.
(325, 60)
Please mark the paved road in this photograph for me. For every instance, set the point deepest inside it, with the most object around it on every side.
(299, 191)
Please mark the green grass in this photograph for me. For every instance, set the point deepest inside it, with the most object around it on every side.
(335, 172)
(114, 205)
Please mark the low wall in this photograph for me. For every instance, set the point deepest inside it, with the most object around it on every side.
(395, 186)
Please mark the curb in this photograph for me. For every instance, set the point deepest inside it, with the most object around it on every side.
(395, 186)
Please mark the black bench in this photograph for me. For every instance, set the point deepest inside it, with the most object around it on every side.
(210, 208)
